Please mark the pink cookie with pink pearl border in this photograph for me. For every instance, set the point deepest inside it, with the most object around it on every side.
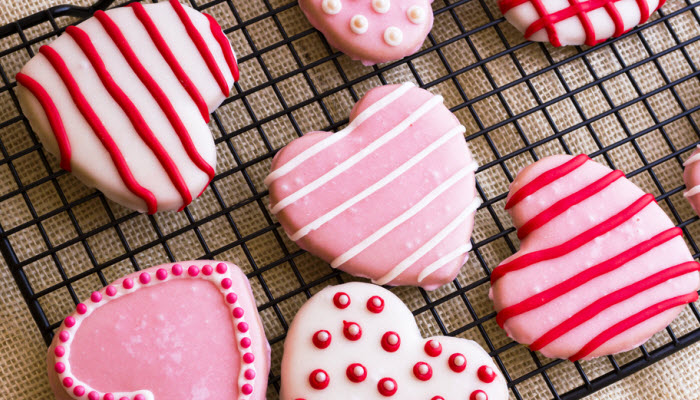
(373, 31)
(180, 331)
(360, 341)
(691, 177)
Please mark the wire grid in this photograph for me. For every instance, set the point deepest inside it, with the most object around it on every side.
(54, 269)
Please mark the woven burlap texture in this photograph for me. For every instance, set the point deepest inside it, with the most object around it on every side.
(676, 377)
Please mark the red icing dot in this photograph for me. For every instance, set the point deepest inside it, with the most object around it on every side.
(221, 268)
(387, 387)
(438, 398)
(145, 278)
(59, 351)
(59, 367)
(486, 374)
(322, 339)
(479, 395)
(81, 308)
(109, 396)
(161, 274)
(124, 398)
(457, 362)
(238, 312)
(243, 326)
(207, 270)
(250, 374)
(245, 342)
(391, 341)
(248, 358)
(78, 391)
(433, 348)
(319, 379)
(422, 371)
(64, 336)
(177, 269)
(94, 395)
(67, 382)
(375, 304)
(139, 397)
(341, 300)
(247, 389)
(110, 290)
(96, 297)
(128, 283)
(193, 270)
(231, 298)
(352, 331)
(226, 283)
(356, 372)
(70, 322)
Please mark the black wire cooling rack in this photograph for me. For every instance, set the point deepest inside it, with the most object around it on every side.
(71, 206)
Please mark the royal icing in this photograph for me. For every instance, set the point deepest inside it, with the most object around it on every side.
(600, 269)
(394, 203)
(691, 177)
(365, 368)
(372, 31)
(134, 341)
(576, 22)
(124, 99)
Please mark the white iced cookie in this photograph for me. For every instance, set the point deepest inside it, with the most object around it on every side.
(124, 99)
(561, 23)
(359, 341)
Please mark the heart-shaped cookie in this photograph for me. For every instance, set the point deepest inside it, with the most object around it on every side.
(173, 332)
(390, 197)
(601, 267)
(372, 31)
(691, 177)
(359, 341)
(124, 99)
(576, 22)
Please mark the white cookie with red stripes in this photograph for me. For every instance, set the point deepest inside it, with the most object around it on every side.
(601, 267)
(124, 100)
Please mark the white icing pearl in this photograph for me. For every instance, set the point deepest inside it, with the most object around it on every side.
(358, 371)
(393, 36)
(392, 339)
(359, 24)
(343, 300)
(434, 344)
(376, 302)
(459, 361)
(320, 377)
(354, 329)
(323, 336)
(481, 396)
(416, 14)
(381, 6)
(423, 369)
(388, 385)
(331, 6)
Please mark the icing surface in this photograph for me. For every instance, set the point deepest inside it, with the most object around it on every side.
(691, 177)
(600, 268)
(124, 100)
(366, 369)
(372, 31)
(390, 197)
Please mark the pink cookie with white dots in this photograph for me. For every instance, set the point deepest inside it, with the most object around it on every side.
(359, 341)
(691, 177)
(372, 31)
(181, 331)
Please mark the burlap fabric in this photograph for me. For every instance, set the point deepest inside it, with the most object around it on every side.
(22, 349)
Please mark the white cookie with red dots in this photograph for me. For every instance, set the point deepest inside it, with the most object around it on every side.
(360, 341)
(372, 31)
(179, 331)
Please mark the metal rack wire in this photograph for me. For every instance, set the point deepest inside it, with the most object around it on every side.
(246, 169)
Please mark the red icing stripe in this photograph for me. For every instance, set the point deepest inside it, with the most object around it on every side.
(564, 204)
(612, 299)
(545, 179)
(52, 115)
(632, 321)
(574, 243)
(100, 131)
(198, 41)
(585, 276)
(135, 117)
(170, 58)
(155, 90)
(225, 46)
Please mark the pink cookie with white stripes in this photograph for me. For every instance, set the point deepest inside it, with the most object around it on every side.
(360, 341)
(391, 197)
(372, 31)
(691, 177)
(123, 99)
(180, 331)
(601, 267)
(565, 22)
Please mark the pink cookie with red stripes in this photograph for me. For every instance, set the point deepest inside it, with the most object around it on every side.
(124, 100)
(372, 31)
(691, 177)
(360, 341)
(575, 22)
(391, 197)
(601, 267)
(181, 331)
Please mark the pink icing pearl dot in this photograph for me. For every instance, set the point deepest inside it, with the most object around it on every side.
(139, 397)
(81, 308)
(438, 398)
(94, 396)
(96, 297)
(177, 269)
(67, 382)
(124, 398)
(226, 283)
(111, 290)
(161, 274)
(70, 322)
(60, 367)
(193, 270)
(237, 312)
(319, 379)
(231, 298)
(243, 326)
(59, 351)
(207, 270)
(248, 358)
(478, 395)
(341, 300)
(108, 396)
(433, 348)
(247, 389)
(221, 268)
(245, 342)
(486, 374)
(144, 278)
(64, 336)
(79, 391)
(250, 374)
(387, 387)
(457, 362)
(128, 283)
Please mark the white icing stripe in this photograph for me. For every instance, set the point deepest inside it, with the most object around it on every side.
(693, 158)
(320, 221)
(463, 249)
(692, 191)
(429, 245)
(357, 157)
(415, 209)
(316, 148)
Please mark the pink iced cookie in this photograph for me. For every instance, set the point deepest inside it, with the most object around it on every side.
(373, 31)
(564, 22)
(176, 331)
(391, 197)
(691, 177)
(600, 269)
(124, 99)
(359, 341)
